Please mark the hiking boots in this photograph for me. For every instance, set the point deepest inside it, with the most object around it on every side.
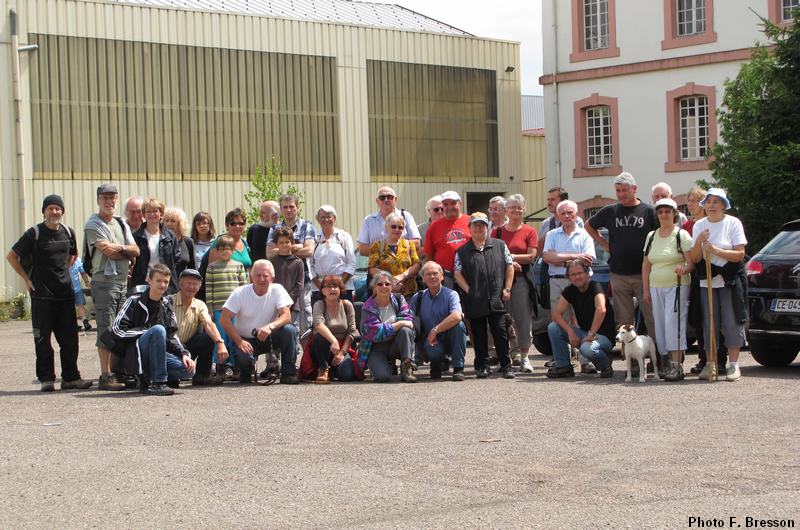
(48, 386)
(76, 384)
(557, 372)
(407, 373)
(109, 382)
(322, 376)
(159, 389)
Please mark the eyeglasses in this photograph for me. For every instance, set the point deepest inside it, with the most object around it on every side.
(385, 197)
(236, 223)
(383, 284)
(439, 209)
(397, 227)
(331, 286)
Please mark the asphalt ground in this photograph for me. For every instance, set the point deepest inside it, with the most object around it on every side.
(527, 453)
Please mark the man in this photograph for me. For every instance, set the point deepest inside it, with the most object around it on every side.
(303, 248)
(595, 324)
(257, 234)
(554, 196)
(47, 251)
(108, 250)
(435, 212)
(147, 320)
(662, 190)
(439, 312)
(497, 212)
(196, 329)
(446, 235)
(133, 213)
(484, 269)
(562, 245)
(373, 229)
(628, 222)
(263, 320)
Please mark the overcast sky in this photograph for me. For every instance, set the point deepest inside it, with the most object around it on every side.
(515, 20)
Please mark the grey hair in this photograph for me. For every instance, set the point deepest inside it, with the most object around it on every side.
(431, 264)
(500, 199)
(267, 263)
(394, 218)
(518, 198)
(625, 178)
(661, 185)
(326, 208)
(566, 203)
(382, 274)
(435, 198)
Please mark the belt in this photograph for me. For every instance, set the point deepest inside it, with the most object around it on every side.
(558, 276)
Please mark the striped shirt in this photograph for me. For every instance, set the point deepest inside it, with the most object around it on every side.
(222, 277)
(578, 242)
(190, 319)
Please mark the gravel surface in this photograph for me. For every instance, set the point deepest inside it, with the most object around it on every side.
(527, 453)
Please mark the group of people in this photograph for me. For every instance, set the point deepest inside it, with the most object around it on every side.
(176, 302)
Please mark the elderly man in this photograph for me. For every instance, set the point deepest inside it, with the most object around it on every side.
(108, 250)
(373, 229)
(497, 212)
(446, 235)
(263, 321)
(147, 320)
(662, 190)
(594, 332)
(268, 216)
(628, 222)
(47, 250)
(439, 311)
(484, 269)
(435, 212)
(554, 197)
(196, 329)
(133, 212)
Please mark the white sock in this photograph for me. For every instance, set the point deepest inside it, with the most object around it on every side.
(735, 364)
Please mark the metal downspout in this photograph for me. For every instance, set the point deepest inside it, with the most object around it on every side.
(18, 122)
(556, 102)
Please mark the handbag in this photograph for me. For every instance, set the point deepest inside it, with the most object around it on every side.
(533, 294)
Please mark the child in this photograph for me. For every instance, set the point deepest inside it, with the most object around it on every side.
(222, 277)
(288, 270)
(76, 272)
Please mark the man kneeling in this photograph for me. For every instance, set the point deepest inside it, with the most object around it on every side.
(263, 319)
(148, 319)
(595, 324)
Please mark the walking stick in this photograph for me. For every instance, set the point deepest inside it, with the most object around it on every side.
(711, 347)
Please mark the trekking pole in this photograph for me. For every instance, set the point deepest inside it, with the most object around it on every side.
(711, 347)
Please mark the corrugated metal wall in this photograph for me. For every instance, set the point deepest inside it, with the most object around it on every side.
(351, 46)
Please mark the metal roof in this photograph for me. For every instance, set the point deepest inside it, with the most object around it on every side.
(334, 11)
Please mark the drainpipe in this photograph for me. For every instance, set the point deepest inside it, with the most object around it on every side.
(15, 48)
(556, 102)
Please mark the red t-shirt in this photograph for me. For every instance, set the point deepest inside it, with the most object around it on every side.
(688, 226)
(520, 241)
(444, 237)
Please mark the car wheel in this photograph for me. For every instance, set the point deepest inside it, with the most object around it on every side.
(542, 343)
(773, 353)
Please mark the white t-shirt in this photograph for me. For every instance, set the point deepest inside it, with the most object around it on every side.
(253, 311)
(152, 246)
(724, 234)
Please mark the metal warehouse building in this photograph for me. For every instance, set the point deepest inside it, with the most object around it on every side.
(182, 99)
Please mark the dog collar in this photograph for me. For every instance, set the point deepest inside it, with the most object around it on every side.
(630, 341)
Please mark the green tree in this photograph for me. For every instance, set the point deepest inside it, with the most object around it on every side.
(758, 161)
(268, 186)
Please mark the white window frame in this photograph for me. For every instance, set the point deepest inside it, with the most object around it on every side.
(694, 127)
(787, 6)
(691, 17)
(599, 145)
(595, 25)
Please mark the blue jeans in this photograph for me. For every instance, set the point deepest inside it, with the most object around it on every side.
(228, 342)
(596, 351)
(157, 364)
(454, 341)
(283, 339)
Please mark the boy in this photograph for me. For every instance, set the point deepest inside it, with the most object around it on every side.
(76, 272)
(288, 270)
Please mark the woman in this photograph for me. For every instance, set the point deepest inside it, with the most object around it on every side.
(203, 233)
(665, 279)
(234, 224)
(334, 324)
(396, 255)
(387, 331)
(175, 220)
(521, 241)
(721, 236)
(693, 198)
(157, 244)
(333, 255)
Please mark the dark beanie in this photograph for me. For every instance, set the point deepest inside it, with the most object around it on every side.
(53, 199)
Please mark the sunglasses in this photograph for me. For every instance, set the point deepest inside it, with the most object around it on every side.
(383, 284)
(236, 224)
(439, 209)
(385, 197)
(396, 227)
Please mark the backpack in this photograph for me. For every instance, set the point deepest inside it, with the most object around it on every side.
(88, 253)
(27, 260)
(653, 235)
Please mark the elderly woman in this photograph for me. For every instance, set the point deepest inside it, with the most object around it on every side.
(666, 285)
(203, 234)
(234, 224)
(334, 324)
(721, 237)
(435, 212)
(157, 244)
(396, 255)
(334, 254)
(521, 241)
(175, 220)
(387, 330)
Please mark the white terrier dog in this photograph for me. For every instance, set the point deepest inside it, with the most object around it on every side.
(637, 347)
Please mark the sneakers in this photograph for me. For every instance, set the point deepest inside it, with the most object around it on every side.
(322, 376)
(557, 372)
(527, 367)
(696, 369)
(483, 372)
(516, 359)
(289, 379)
(549, 364)
(705, 373)
(109, 382)
(588, 368)
(608, 370)
(407, 373)
(48, 386)
(77, 384)
(508, 372)
(87, 326)
(458, 374)
(159, 389)
(675, 373)
(732, 373)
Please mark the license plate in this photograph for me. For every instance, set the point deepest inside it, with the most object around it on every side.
(784, 305)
